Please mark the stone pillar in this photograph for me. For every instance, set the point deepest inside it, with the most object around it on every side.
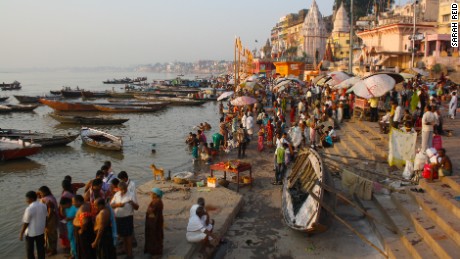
(427, 48)
(438, 48)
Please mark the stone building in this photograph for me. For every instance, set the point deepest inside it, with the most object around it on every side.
(315, 35)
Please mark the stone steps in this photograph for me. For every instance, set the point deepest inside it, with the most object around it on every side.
(453, 182)
(444, 195)
(367, 142)
(438, 214)
(432, 234)
(407, 240)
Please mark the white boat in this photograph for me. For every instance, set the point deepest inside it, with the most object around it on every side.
(301, 210)
(99, 139)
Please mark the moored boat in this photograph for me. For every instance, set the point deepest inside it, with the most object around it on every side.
(44, 139)
(55, 92)
(95, 94)
(172, 100)
(22, 107)
(4, 108)
(99, 139)
(27, 99)
(66, 119)
(129, 108)
(125, 95)
(68, 106)
(14, 149)
(68, 92)
(13, 86)
(302, 194)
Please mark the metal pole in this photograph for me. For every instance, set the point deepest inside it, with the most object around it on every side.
(350, 61)
(413, 38)
(234, 67)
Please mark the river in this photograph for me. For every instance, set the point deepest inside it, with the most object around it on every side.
(163, 131)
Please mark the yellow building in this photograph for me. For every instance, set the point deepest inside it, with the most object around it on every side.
(340, 36)
(444, 16)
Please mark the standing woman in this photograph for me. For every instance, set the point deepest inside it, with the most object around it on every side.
(67, 193)
(154, 225)
(51, 235)
(269, 132)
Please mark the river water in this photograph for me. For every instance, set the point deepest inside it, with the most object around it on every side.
(163, 131)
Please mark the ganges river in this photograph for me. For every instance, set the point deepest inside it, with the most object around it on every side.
(164, 131)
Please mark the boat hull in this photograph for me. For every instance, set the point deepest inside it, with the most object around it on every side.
(87, 120)
(92, 138)
(173, 101)
(27, 99)
(89, 94)
(128, 109)
(68, 106)
(23, 108)
(44, 139)
(301, 210)
(15, 149)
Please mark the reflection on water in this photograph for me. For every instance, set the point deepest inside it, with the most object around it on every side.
(164, 131)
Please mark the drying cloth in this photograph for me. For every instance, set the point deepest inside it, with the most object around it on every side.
(401, 147)
(357, 184)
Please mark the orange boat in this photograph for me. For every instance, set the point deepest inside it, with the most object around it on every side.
(68, 106)
(128, 109)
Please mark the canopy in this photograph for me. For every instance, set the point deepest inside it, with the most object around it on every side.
(316, 79)
(397, 77)
(347, 83)
(374, 86)
(225, 95)
(338, 77)
(243, 100)
(420, 71)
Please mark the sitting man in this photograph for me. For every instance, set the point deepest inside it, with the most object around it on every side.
(197, 231)
(445, 165)
(384, 123)
(332, 134)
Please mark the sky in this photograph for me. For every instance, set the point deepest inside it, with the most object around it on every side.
(89, 33)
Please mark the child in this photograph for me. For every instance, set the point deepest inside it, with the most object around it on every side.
(280, 164)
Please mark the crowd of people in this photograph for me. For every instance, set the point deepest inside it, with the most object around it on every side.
(94, 223)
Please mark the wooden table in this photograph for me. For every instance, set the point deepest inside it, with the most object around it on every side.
(241, 168)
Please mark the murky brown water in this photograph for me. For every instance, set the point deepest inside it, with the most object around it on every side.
(166, 130)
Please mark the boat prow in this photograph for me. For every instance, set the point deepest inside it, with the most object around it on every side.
(301, 210)
(99, 139)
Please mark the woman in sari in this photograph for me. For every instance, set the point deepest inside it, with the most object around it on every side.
(269, 133)
(154, 225)
(51, 235)
(83, 229)
(260, 141)
(67, 193)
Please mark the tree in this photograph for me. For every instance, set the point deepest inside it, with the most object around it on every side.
(363, 7)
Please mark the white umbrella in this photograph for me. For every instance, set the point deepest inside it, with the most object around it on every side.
(348, 83)
(282, 83)
(225, 95)
(243, 100)
(252, 78)
(420, 71)
(374, 86)
(316, 79)
(338, 77)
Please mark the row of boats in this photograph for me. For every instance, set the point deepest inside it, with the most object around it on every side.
(15, 144)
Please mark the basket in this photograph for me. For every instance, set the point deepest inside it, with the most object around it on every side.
(212, 182)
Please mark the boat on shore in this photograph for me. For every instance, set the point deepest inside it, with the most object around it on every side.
(12, 86)
(129, 108)
(14, 149)
(172, 100)
(303, 195)
(4, 98)
(65, 106)
(84, 120)
(27, 99)
(99, 139)
(44, 139)
(22, 107)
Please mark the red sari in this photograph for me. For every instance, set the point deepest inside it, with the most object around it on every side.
(269, 134)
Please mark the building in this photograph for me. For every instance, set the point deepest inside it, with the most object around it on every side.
(340, 36)
(315, 35)
(286, 36)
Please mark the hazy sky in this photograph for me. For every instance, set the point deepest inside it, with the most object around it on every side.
(57, 33)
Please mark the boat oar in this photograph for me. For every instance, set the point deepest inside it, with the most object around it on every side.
(331, 211)
(343, 197)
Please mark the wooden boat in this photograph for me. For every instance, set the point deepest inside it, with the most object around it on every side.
(44, 139)
(135, 103)
(301, 210)
(27, 99)
(125, 95)
(71, 93)
(129, 108)
(172, 100)
(4, 98)
(68, 106)
(4, 108)
(13, 86)
(95, 94)
(14, 149)
(55, 92)
(66, 119)
(22, 107)
(99, 139)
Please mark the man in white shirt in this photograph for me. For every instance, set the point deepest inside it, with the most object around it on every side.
(243, 120)
(34, 220)
(428, 121)
(250, 125)
(124, 204)
(123, 176)
(397, 116)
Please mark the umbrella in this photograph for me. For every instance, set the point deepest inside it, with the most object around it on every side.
(374, 86)
(281, 84)
(420, 71)
(251, 78)
(225, 95)
(397, 77)
(407, 75)
(243, 100)
(338, 77)
(348, 83)
(316, 79)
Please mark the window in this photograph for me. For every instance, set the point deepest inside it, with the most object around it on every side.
(348, 41)
(446, 18)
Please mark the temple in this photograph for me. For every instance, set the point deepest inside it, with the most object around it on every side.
(315, 35)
